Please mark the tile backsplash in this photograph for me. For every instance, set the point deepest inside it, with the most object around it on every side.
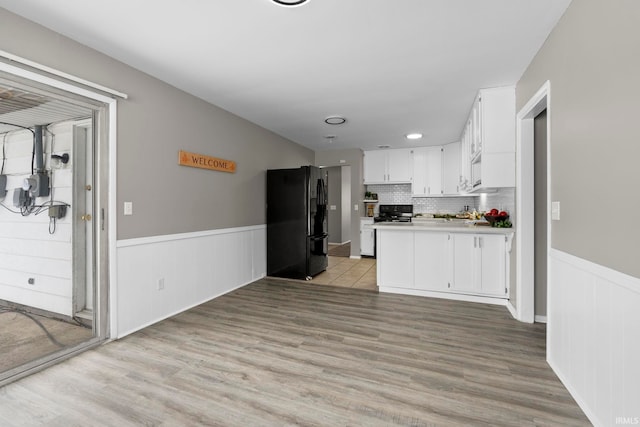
(400, 194)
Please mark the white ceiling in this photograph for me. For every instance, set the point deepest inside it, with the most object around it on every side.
(389, 66)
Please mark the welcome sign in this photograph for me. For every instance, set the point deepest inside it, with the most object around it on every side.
(201, 161)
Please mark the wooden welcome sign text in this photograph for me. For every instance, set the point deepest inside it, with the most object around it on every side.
(194, 160)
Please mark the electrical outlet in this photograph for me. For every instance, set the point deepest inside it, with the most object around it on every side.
(161, 284)
(128, 208)
(555, 211)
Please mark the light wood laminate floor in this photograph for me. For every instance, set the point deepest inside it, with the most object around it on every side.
(277, 353)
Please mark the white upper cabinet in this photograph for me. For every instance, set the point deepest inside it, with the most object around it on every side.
(388, 166)
(451, 168)
(436, 170)
(489, 141)
(427, 172)
(375, 167)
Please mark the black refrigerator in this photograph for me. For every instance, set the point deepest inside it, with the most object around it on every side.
(297, 235)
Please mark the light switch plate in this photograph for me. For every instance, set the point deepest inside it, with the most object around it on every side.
(332, 207)
(128, 208)
(355, 207)
(555, 211)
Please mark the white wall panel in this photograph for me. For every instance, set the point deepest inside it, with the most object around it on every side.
(593, 335)
(196, 267)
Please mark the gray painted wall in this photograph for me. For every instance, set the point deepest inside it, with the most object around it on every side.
(541, 212)
(153, 124)
(592, 59)
(352, 158)
(335, 199)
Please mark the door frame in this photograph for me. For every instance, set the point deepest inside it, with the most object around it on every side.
(525, 215)
(104, 130)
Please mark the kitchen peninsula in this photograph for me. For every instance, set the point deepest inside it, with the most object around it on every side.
(444, 259)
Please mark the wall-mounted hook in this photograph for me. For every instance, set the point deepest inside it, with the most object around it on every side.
(64, 158)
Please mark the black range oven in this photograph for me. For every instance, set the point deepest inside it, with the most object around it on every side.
(394, 213)
(391, 213)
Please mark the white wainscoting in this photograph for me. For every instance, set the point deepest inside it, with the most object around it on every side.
(593, 336)
(195, 267)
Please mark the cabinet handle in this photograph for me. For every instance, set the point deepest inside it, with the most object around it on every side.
(425, 190)
(480, 242)
(475, 242)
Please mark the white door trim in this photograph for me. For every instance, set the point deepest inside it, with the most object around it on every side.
(525, 216)
(111, 105)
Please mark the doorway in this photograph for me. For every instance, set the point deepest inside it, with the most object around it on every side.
(541, 213)
(530, 248)
(339, 212)
(53, 289)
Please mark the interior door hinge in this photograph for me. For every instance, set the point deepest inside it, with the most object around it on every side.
(102, 219)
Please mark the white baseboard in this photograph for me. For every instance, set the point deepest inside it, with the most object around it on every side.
(540, 319)
(443, 295)
(512, 310)
(355, 257)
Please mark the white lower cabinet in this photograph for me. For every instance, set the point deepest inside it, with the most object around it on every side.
(422, 262)
(465, 262)
(479, 264)
(395, 268)
(431, 261)
(367, 241)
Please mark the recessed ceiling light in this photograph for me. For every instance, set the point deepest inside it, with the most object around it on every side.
(335, 120)
(330, 138)
(413, 135)
(289, 2)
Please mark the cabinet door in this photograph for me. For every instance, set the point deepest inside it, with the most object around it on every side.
(399, 166)
(466, 265)
(432, 261)
(465, 163)
(419, 183)
(395, 267)
(493, 259)
(451, 168)
(375, 167)
(366, 238)
(434, 170)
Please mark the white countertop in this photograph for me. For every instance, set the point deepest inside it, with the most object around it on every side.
(444, 226)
